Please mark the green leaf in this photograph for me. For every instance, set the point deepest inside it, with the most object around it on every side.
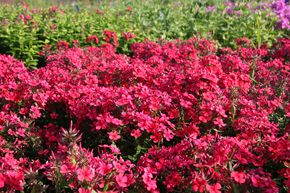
(106, 187)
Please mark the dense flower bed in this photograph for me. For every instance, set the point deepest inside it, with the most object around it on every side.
(177, 116)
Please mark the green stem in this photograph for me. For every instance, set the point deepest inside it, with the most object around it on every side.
(234, 186)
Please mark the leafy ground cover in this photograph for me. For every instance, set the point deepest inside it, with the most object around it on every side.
(26, 29)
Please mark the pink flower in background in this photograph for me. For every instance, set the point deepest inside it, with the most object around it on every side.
(53, 26)
(211, 8)
(128, 35)
(111, 36)
(92, 38)
(28, 17)
(100, 12)
(129, 8)
(75, 43)
(25, 5)
(62, 45)
(282, 10)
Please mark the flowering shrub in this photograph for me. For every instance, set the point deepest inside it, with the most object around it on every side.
(175, 116)
(282, 11)
(28, 27)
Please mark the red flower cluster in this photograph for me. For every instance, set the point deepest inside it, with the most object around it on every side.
(180, 116)
(92, 38)
(111, 36)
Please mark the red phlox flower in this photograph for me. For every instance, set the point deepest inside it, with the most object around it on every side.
(86, 174)
(114, 136)
(34, 112)
(239, 177)
(100, 12)
(129, 8)
(2, 182)
(62, 45)
(214, 188)
(92, 38)
(104, 168)
(109, 35)
(136, 133)
(124, 180)
(128, 35)
(84, 190)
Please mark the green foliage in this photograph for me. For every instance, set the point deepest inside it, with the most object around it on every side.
(152, 19)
